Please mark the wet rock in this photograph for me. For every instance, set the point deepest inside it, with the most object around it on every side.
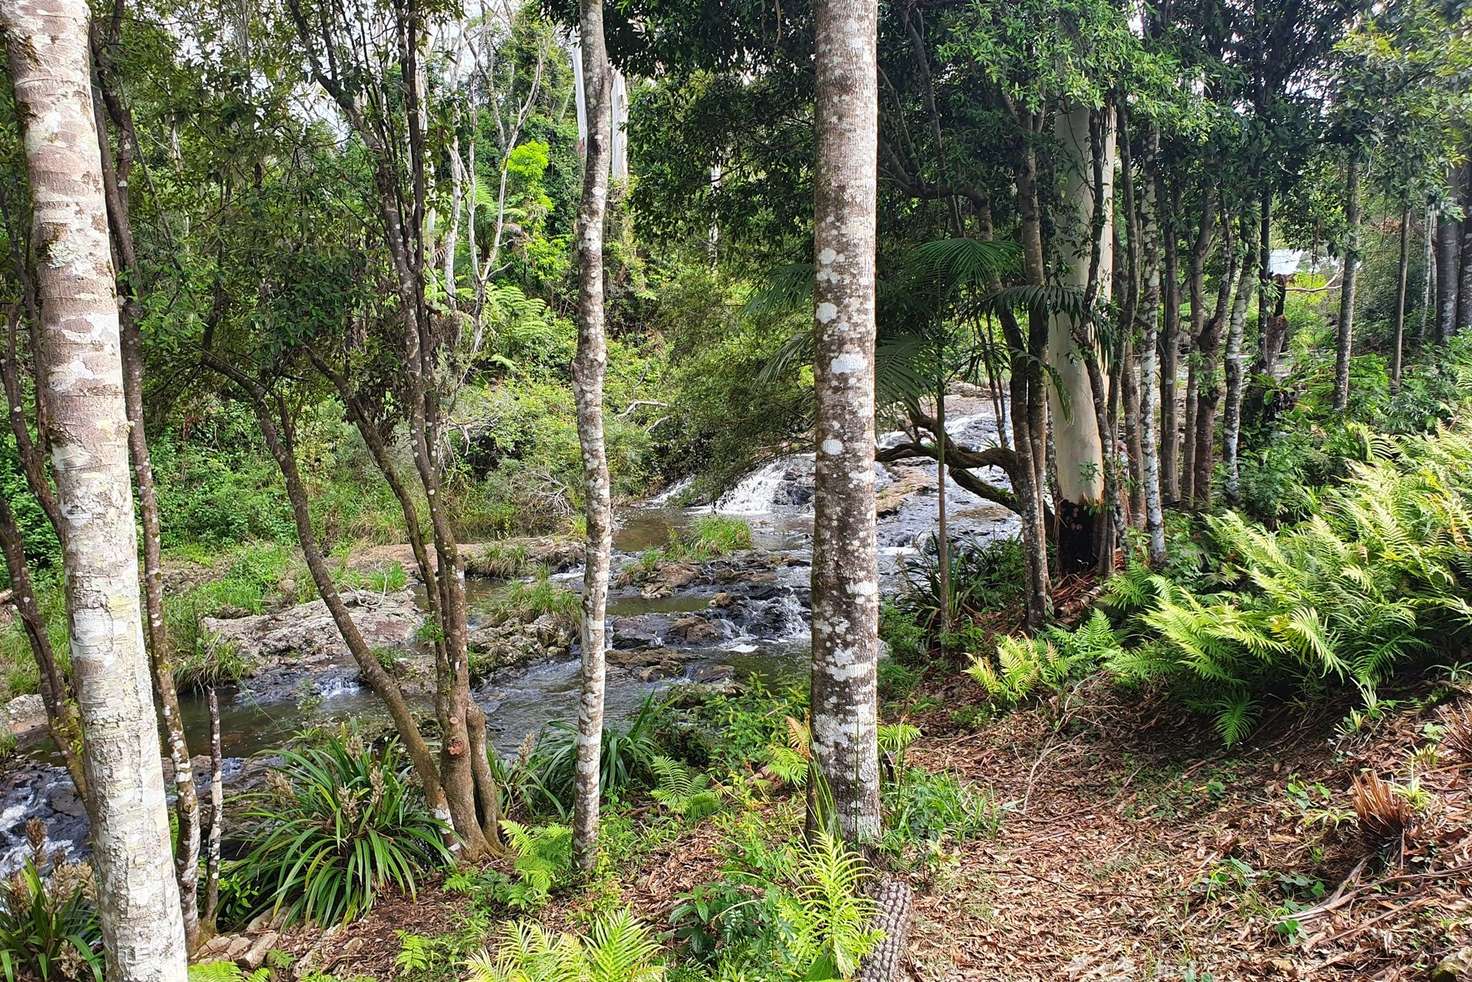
(24, 714)
(64, 801)
(648, 664)
(305, 636)
(722, 599)
(694, 629)
(512, 643)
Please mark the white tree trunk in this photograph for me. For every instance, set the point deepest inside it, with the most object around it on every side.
(1076, 438)
(1345, 328)
(587, 373)
(1149, 318)
(82, 378)
(1236, 376)
(845, 575)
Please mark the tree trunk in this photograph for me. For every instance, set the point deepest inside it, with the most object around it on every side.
(845, 579)
(115, 172)
(1464, 258)
(1077, 437)
(587, 374)
(1149, 315)
(82, 374)
(1448, 263)
(1209, 392)
(1236, 377)
(211, 910)
(56, 688)
(1170, 348)
(1344, 330)
(1402, 274)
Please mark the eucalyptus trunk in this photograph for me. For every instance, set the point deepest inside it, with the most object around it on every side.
(845, 578)
(1170, 348)
(1448, 262)
(81, 375)
(1076, 399)
(1344, 330)
(587, 372)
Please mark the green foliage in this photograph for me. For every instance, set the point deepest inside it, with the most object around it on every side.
(526, 600)
(1372, 580)
(928, 810)
(615, 948)
(826, 915)
(685, 792)
(732, 731)
(48, 925)
(543, 861)
(339, 825)
(983, 579)
(219, 971)
(1047, 662)
(627, 756)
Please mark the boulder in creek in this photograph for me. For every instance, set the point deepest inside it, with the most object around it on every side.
(25, 714)
(513, 643)
(307, 636)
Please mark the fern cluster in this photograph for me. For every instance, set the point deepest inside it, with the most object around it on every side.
(616, 948)
(1376, 576)
(1023, 666)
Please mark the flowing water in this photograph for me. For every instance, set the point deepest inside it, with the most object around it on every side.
(759, 633)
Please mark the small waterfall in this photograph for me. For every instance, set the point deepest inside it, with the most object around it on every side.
(786, 482)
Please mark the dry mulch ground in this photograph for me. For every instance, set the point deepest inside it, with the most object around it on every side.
(1131, 846)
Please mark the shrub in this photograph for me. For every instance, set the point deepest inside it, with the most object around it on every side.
(685, 792)
(826, 914)
(928, 809)
(1374, 578)
(626, 761)
(983, 580)
(616, 948)
(523, 600)
(1046, 661)
(48, 925)
(543, 861)
(338, 826)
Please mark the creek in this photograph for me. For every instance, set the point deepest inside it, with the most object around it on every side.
(752, 626)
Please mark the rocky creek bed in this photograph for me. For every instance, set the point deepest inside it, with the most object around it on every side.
(728, 620)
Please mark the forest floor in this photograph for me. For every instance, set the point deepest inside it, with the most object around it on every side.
(1131, 846)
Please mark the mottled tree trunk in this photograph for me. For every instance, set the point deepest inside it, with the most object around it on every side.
(1344, 330)
(1448, 262)
(210, 913)
(845, 578)
(115, 172)
(1398, 323)
(82, 375)
(1209, 389)
(1170, 348)
(587, 377)
(1149, 316)
(1236, 377)
(1464, 256)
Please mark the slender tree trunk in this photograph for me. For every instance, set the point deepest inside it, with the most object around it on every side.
(1028, 344)
(1464, 258)
(115, 172)
(1236, 377)
(56, 688)
(1448, 262)
(942, 532)
(209, 916)
(1344, 330)
(1170, 349)
(1149, 316)
(82, 374)
(587, 373)
(845, 561)
(1402, 274)
(1209, 391)
(1267, 359)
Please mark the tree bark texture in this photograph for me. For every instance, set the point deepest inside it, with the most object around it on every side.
(845, 580)
(1448, 263)
(1148, 313)
(1170, 347)
(1077, 438)
(81, 372)
(1236, 356)
(1398, 323)
(115, 170)
(587, 373)
(1344, 330)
